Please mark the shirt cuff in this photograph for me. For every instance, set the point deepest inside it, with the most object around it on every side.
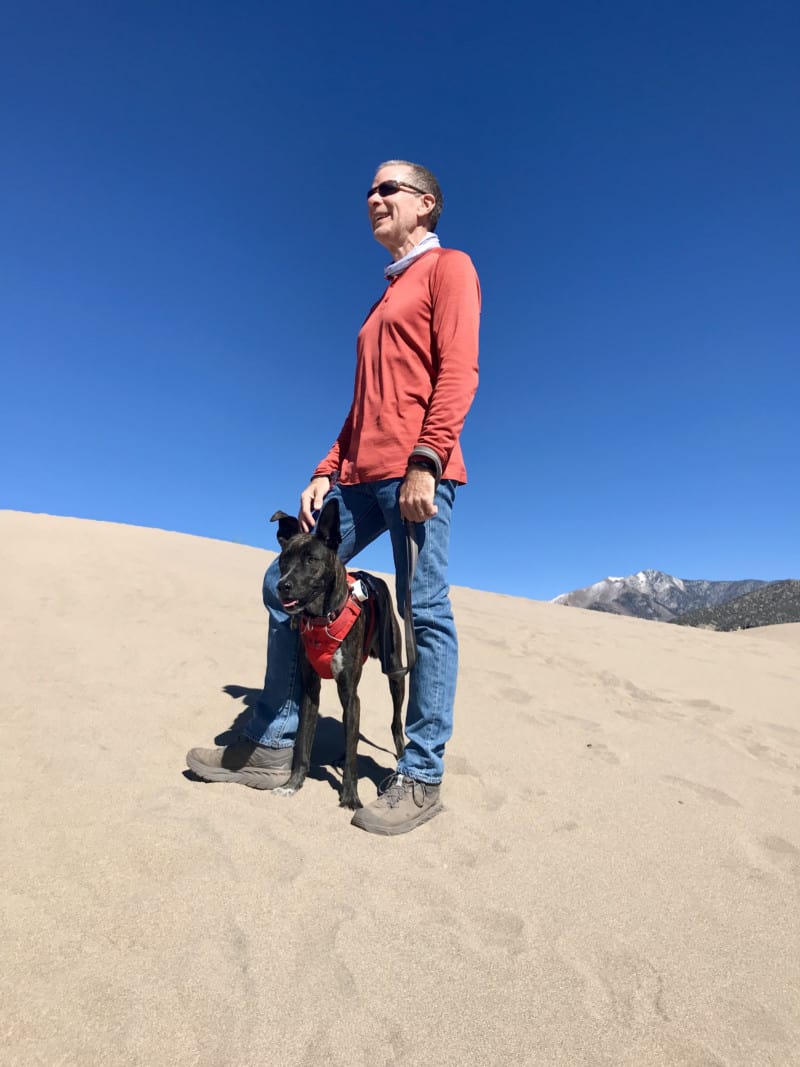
(426, 457)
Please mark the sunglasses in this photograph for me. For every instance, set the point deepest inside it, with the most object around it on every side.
(390, 188)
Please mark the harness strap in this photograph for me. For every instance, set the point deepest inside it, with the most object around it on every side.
(323, 634)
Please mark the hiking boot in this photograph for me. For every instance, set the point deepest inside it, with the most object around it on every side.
(402, 805)
(244, 762)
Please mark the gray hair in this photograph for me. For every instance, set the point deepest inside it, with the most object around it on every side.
(423, 179)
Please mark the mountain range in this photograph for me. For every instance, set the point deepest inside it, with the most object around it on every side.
(652, 594)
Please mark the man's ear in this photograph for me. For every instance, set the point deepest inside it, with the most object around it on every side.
(327, 529)
(288, 526)
(427, 203)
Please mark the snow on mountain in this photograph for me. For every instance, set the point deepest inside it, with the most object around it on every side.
(651, 594)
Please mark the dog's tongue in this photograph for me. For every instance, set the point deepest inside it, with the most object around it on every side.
(290, 603)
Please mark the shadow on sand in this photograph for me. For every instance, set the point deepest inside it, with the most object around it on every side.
(327, 753)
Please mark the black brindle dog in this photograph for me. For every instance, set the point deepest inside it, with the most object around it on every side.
(314, 588)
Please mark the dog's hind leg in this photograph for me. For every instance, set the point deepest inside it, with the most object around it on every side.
(397, 687)
(351, 715)
(397, 683)
(305, 736)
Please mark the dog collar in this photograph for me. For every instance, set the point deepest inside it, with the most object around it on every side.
(356, 591)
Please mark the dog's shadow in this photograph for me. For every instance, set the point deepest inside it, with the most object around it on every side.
(327, 753)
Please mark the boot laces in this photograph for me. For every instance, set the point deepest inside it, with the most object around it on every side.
(394, 788)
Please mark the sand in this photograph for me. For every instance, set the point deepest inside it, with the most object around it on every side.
(614, 880)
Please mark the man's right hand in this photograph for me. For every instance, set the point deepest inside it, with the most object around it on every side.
(311, 501)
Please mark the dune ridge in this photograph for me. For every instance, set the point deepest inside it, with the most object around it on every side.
(614, 880)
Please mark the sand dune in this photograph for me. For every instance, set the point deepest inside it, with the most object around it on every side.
(614, 881)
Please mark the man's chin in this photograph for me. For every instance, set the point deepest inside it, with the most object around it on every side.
(382, 235)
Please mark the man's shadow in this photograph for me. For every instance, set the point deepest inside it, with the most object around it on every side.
(327, 752)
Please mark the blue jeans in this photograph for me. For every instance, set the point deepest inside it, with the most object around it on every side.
(366, 511)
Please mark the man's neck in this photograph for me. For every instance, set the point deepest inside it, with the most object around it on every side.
(409, 244)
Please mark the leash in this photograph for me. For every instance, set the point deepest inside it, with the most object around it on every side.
(412, 555)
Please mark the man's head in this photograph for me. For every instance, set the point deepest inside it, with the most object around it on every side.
(404, 204)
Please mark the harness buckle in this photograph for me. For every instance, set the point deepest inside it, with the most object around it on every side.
(359, 591)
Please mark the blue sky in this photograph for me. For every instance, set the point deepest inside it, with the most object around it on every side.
(186, 261)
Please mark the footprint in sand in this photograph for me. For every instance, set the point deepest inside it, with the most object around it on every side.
(500, 931)
(515, 696)
(459, 765)
(618, 984)
(487, 798)
(488, 931)
(708, 705)
(768, 753)
(770, 859)
(784, 851)
(787, 734)
(759, 1030)
(587, 724)
(566, 827)
(711, 714)
(705, 791)
(603, 752)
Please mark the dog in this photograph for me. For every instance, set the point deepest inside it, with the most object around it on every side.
(315, 589)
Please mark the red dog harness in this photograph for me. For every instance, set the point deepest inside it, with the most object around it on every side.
(322, 634)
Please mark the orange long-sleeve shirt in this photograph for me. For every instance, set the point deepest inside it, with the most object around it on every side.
(416, 373)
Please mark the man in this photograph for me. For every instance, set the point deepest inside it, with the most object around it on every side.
(397, 457)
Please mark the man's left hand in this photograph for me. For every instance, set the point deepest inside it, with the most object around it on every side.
(417, 491)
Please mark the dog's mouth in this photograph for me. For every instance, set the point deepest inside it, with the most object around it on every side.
(292, 606)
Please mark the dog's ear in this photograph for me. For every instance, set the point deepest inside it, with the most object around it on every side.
(288, 526)
(327, 529)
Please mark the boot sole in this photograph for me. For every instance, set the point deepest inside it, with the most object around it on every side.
(252, 777)
(393, 831)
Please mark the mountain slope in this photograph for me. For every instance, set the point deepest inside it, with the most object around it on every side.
(777, 602)
(652, 594)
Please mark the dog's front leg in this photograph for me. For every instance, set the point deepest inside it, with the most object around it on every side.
(351, 716)
(305, 735)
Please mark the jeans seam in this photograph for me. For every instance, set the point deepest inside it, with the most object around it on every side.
(439, 620)
(360, 521)
(286, 707)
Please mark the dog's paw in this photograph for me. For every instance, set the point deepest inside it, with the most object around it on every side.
(353, 803)
(285, 791)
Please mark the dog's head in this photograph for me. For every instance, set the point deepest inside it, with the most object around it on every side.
(312, 577)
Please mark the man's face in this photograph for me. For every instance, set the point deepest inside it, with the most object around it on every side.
(393, 218)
